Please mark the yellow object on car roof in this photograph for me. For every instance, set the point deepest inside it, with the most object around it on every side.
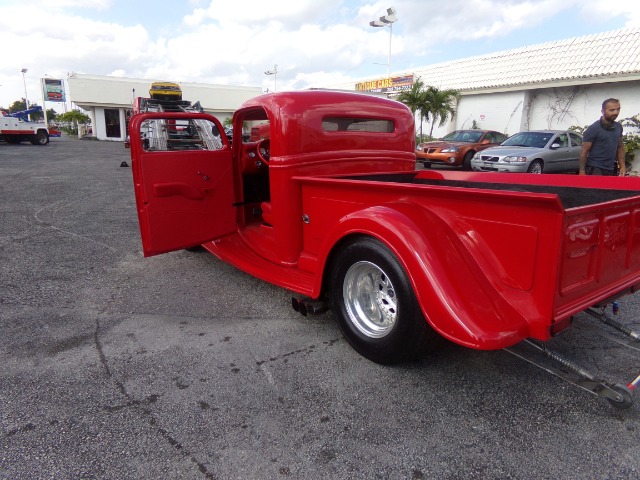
(165, 91)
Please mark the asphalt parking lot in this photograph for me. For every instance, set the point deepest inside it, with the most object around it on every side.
(181, 367)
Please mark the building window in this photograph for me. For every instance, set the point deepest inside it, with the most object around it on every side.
(112, 122)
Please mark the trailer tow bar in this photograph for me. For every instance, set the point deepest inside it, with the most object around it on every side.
(634, 343)
(601, 316)
(617, 394)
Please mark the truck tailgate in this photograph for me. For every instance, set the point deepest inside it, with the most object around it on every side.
(600, 254)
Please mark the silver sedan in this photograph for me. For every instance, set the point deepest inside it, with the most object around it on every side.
(532, 151)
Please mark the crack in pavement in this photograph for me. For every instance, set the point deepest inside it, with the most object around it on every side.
(139, 405)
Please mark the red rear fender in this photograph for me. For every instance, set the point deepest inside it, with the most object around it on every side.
(455, 293)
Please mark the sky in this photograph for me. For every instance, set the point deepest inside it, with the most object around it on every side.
(313, 43)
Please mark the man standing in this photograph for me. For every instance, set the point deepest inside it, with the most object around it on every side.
(602, 143)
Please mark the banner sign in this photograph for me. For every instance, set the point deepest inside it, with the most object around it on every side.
(387, 85)
(53, 90)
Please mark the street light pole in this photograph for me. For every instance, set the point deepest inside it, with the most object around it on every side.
(273, 72)
(26, 101)
(387, 21)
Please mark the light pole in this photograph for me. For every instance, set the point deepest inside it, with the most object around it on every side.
(387, 21)
(26, 101)
(273, 72)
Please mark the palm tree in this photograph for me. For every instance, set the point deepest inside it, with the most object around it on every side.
(439, 104)
(414, 99)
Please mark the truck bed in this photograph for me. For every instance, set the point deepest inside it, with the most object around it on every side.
(514, 255)
(570, 196)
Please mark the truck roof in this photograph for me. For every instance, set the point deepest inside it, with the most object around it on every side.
(299, 102)
(317, 121)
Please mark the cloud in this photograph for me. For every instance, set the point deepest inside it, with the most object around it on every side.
(605, 9)
(226, 42)
(258, 13)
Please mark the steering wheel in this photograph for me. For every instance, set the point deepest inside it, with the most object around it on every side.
(263, 150)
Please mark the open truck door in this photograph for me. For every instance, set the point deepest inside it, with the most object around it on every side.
(183, 180)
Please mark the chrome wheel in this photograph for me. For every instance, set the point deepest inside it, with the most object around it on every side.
(374, 303)
(535, 167)
(370, 299)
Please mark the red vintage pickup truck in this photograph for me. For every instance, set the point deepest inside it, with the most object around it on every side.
(330, 206)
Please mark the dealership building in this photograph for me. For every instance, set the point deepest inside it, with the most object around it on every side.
(553, 85)
(108, 100)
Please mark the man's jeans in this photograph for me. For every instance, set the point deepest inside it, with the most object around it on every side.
(598, 171)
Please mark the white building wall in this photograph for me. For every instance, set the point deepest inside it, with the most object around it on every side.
(123, 124)
(120, 92)
(99, 125)
(561, 108)
(556, 108)
(491, 111)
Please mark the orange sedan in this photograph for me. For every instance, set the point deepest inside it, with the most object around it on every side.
(457, 148)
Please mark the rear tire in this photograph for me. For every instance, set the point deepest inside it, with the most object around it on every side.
(375, 306)
(40, 138)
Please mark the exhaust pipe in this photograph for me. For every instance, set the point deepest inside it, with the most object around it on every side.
(296, 304)
(305, 306)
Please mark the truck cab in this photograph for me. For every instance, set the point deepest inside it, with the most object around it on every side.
(312, 133)
(250, 187)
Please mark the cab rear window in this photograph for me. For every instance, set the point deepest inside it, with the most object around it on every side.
(353, 124)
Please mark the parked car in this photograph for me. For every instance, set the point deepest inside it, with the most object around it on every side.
(532, 151)
(457, 148)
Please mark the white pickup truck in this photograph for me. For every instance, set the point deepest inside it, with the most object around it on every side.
(15, 130)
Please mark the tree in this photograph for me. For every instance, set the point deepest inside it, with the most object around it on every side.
(414, 99)
(36, 116)
(439, 104)
(51, 115)
(631, 139)
(73, 117)
(18, 105)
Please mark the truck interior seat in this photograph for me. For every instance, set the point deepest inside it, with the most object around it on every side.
(267, 214)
